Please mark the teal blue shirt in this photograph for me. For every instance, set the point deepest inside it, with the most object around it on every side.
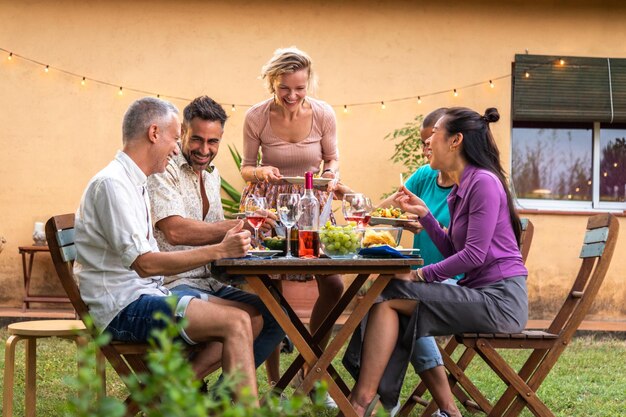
(423, 183)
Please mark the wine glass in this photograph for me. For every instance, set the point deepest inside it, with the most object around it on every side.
(256, 213)
(356, 207)
(287, 207)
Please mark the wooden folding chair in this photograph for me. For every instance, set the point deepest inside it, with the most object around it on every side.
(545, 346)
(416, 396)
(126, 358)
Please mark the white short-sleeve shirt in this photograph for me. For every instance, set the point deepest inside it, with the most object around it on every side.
(113, 227)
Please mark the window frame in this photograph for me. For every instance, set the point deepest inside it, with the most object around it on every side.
(595, 205)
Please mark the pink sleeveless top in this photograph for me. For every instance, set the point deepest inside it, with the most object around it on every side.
(292, 159)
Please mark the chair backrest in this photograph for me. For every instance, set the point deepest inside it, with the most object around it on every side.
(60, 236)
(126, 358)
(528, 230)
(596, 253)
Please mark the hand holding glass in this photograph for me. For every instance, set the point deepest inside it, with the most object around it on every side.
(256, 213)
(288, 213)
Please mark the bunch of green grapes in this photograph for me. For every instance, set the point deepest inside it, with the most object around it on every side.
(340, 240)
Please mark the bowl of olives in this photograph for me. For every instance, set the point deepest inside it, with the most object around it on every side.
(275, 243)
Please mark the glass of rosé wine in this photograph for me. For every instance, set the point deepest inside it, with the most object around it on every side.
(256, 214)
(357, 208)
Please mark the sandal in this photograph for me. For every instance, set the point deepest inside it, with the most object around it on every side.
(371, 406)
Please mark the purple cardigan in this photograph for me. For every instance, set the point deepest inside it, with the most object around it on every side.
(480, 241)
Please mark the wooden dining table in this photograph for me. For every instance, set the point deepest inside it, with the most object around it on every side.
(257, 272)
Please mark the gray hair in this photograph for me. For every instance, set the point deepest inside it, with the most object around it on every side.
(143, 113)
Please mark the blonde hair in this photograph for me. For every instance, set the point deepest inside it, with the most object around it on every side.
(287, 61)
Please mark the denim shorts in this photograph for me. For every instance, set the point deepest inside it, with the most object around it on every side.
(136, 322)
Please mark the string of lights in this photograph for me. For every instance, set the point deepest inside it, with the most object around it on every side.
(83, 79)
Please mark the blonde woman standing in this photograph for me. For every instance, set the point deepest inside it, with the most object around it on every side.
(295, 133)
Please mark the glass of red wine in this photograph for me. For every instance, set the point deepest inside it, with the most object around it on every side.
(256, 213)
(357, 208)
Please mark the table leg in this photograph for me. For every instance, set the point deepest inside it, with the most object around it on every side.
(261, 286)
(322, 331)
(288, 326)
(347, 329)
(26, 275)
(31, 376)
(9, 375)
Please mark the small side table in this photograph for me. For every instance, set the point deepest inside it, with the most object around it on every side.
(27, 268)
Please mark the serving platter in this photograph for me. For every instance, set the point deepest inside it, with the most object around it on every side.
(264, 253)
(389, 221)
(411, 251)
(300, 180)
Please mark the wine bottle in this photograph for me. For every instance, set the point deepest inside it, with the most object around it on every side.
(308, 223)
(294, 240)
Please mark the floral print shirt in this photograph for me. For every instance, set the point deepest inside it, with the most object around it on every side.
(176, 192)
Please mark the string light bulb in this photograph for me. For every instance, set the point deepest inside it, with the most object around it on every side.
(345, 108)
(382, 105)
(456, 93)
(121, 91)
(83, 81)
(10, 57)
(491, 84)
(232, 108)
(47, 68)
(419, 100)
(561, 61)
(526, 74)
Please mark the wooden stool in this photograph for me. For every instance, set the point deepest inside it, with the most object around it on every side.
(30, 331)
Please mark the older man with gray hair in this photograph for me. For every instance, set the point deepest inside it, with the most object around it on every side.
(119, 265)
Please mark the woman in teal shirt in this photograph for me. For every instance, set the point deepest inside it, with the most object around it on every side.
(433, 187)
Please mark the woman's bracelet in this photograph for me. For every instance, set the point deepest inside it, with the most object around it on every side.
(419, 275)
(254, 173)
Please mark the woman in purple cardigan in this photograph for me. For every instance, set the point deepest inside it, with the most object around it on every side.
(482, 242)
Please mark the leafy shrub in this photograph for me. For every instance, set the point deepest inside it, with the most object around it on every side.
(171, 389)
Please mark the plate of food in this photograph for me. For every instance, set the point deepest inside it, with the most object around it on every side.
(374, 221)
(380, 251)
(300, 180)
(377, 236)
(264, 253)
(392, 216)
(411, 251)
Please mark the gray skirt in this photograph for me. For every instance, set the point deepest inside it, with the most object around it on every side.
(442, 310)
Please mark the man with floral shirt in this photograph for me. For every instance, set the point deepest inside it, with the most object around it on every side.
(187, 212)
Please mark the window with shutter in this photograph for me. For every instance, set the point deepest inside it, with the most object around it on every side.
(569, 132)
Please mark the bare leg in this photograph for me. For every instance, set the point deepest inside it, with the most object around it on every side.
(255, 317)
(207, 360)
(272, 366)
(232, 326)
(437, 383)
(379, 341)
(272, 363)
(330, 288)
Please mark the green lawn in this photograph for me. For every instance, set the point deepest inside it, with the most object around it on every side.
(588, 380)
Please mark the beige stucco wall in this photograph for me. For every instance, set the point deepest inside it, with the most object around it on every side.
(57, 134)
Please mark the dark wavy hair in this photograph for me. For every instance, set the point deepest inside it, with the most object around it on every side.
(480, 149)
(204, 108)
